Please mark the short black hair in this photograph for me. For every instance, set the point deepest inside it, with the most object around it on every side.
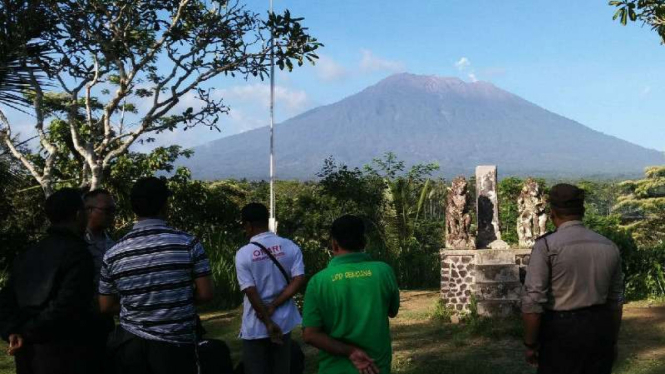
(148, 196)
(63, 205)
(349, 232)
(94, 193)
(255, 213)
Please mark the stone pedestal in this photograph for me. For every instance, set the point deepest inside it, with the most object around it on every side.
(489, 231)
(493, 277)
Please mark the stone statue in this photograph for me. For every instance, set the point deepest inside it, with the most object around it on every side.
(458, 219)
(532, 218)
(489, 230)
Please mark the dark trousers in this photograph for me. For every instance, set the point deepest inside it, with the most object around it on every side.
(143, 356)
(58, 358)
(261, 356)
(579, 342)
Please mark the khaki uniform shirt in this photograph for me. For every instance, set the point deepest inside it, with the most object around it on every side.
(572, 268)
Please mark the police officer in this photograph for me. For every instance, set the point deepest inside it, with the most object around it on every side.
(573, 293)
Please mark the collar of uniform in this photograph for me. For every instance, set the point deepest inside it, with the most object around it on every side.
(349, 258)
(570, 224)
(260, 236)
(149, 222)
(90, 238)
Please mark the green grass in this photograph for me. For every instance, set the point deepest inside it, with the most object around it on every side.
(424, 342)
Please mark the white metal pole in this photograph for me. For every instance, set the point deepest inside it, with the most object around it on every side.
(272, 222)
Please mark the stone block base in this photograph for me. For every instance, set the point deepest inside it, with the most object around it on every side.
(498, 308)
(492, 276)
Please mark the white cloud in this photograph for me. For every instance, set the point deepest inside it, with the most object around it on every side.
(464, 66)
(463, 63)
(370, 62)
(329, 70)
(249, 109)
(259, 94)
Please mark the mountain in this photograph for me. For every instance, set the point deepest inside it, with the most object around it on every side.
(427, 119)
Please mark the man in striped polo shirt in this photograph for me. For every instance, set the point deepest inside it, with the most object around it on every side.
(154, 276)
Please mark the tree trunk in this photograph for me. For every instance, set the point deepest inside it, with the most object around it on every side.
(96, 177)
(47, 187)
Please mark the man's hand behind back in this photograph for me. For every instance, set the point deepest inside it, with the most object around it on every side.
(15, 343)
(363, 362)
(275, 332)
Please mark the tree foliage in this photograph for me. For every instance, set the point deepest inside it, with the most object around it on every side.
(403, 230)
(23, 25)
(649, 12)
(125, 70)
(642, 206)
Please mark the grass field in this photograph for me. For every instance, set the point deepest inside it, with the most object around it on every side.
(427, 345)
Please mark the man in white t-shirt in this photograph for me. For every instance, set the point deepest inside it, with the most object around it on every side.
(269, 313)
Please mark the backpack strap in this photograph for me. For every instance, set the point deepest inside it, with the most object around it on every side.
(274, 260)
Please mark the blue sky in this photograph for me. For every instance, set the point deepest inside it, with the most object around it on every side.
(569, 57)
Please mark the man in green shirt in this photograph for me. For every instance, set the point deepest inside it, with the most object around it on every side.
(347, 306)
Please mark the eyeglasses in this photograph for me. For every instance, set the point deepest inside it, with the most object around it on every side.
(109, 210)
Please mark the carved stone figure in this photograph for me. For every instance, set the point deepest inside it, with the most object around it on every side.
(489, 230)
(532, 218)
(458, 219)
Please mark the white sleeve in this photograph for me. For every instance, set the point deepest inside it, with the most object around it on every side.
(298, 267)
(243, 271)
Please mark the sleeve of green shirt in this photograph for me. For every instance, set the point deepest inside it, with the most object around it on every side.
(311, 315)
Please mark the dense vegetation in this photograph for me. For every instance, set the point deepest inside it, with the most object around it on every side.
(82, 89)
(403, 209)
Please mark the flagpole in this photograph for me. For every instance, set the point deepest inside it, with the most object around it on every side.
(272, 222)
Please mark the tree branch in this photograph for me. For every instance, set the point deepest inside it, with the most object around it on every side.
(6, 137)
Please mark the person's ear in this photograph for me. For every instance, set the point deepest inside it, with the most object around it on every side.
(334, 246)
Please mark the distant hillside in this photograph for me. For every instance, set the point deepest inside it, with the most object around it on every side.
(427, 119)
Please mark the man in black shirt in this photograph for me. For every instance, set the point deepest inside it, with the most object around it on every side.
(46, 312)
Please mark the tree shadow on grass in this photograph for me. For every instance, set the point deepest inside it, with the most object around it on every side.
(483, 346)
(478, 347)
(642, 341)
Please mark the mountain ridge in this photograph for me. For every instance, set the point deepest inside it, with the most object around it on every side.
(426, 119)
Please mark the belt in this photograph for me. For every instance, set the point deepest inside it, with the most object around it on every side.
(590, 310)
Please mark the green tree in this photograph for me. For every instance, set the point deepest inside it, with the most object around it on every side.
(509, 190)
(649, 12)
(109, 56)
(406, 194)
(642, 207)
(23, 25)
(600, 197)
(21, 217)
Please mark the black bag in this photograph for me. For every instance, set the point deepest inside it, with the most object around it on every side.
(214, 357)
